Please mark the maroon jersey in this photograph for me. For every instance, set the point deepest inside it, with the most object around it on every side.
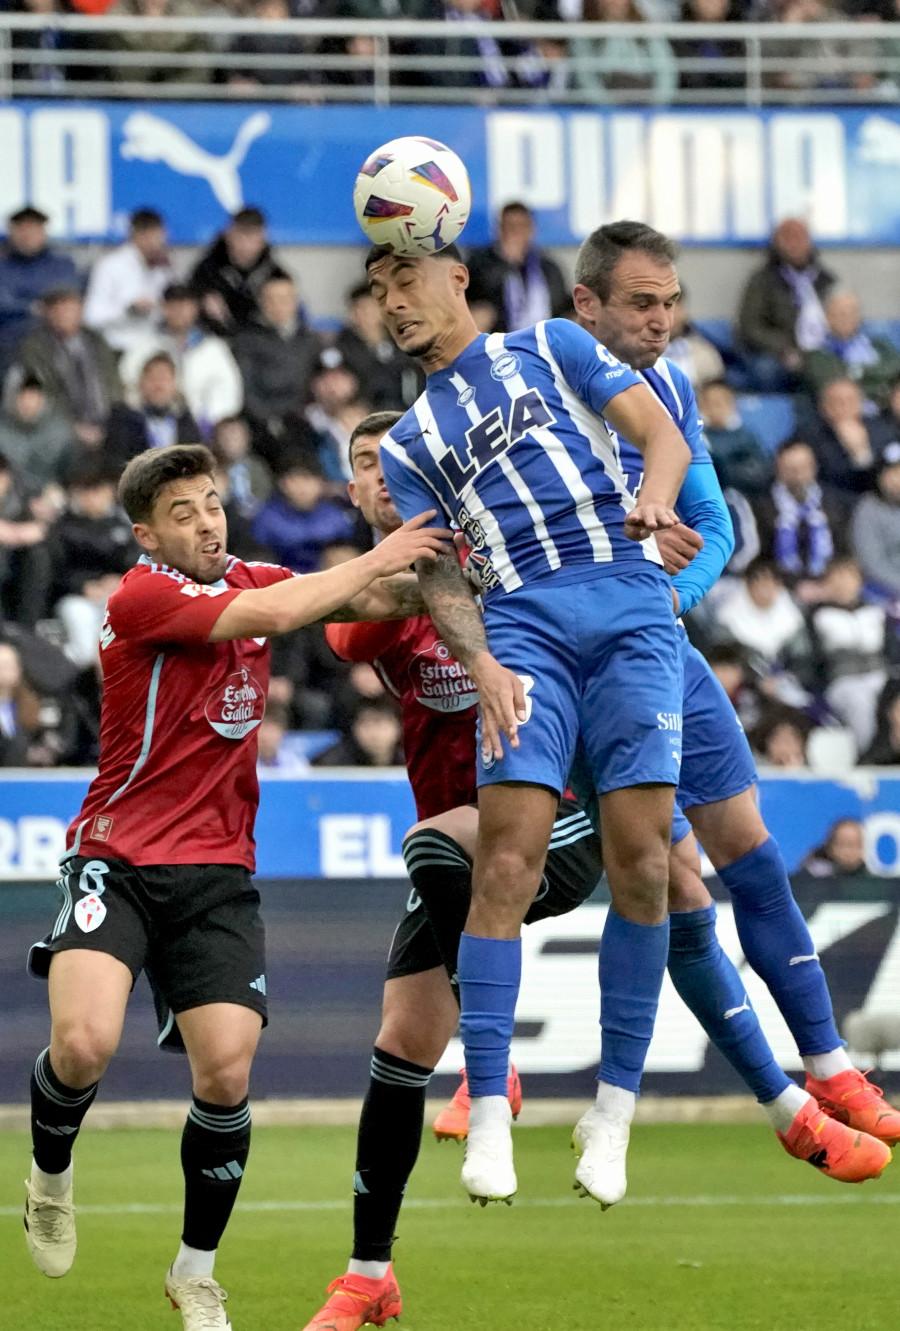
(177, 772)
(438, 701)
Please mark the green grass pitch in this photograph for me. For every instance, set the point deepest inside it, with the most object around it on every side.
(720, 1230)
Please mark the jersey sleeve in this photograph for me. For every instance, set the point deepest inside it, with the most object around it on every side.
(163, 608)
(587, 366)
(690, 424)
(266, 575)
(362, 642)
(701, 505)
(411, 492)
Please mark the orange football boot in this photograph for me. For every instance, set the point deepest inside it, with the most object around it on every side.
(356, 1301)
(851, 1098)
(452, 1123)
(840, 1152)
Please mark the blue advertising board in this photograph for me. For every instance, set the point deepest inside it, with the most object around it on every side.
(720, 176)
(346, 825)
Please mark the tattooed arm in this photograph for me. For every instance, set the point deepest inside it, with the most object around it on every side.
(399, 597)
(454, 610)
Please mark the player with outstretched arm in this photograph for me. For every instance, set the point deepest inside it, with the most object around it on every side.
(157, 870)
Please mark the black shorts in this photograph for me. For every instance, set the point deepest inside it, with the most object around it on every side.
(424, 940)
(194, 928)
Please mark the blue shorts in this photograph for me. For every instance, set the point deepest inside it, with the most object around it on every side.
(716, 760)
(600, 657)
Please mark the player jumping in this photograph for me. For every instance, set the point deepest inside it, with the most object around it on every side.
(157, 870)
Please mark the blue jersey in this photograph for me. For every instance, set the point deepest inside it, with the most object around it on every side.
(508, 441)
(673, 389)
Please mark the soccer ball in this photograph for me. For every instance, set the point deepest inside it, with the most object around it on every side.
(412, 196)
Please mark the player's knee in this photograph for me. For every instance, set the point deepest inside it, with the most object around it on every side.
(424, 1048)
(224, 1083)
(639, 881)
(508, 876)
(80, 1054)
(687, 890)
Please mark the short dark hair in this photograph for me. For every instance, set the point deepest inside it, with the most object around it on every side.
(515, 206)
(90, 473)
(150, 472)
(379, 252)
(159, 358)
(762, 565)
(145, 219)
(377, 422)
(180, 291)
(601, 252)
(300, 460)
(795, 441)
(249, 219)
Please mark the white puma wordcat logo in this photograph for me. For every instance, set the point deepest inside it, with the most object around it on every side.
(733, 1011)
(149, 138)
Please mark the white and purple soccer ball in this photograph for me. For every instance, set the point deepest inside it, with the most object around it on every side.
(413, 196)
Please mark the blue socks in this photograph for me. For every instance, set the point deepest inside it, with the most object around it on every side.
(777, 944)
(489, 971)
(710, 986)
(632, 966)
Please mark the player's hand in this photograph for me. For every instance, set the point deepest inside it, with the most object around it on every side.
(645, 519)
(501, 699)
(678, 546)
(410, 542)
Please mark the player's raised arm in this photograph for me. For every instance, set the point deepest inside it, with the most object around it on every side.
(636, 414)
(454, 610)
(289, 605)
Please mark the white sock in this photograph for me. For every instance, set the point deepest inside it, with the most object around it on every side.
(615, 1102)
(488, 1109)
(193, 1262)
(51, 1185)
(374, 1270)
(823, 1066)
(782, 1111)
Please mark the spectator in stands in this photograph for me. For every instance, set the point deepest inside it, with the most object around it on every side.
(841, 854)
(24, 560)
(158, 39)
(35, 438)
(249, 479)
(159, 419)
(712, 51)
(208, 375)
(373, 739)
(885, 748)
(49, 38)
(392, 380)
(781, 313)
(272, 753)
(739, 458)
(17, 709)
(28, 269)
(848, 638)
(690, 350)
(849, 353)
(514, 277)
(780, 739)
(74, 364)
(267, 45)
(125, 286)
(760, 613)
(297, 521)
(890, 416)
(276, 353)
(800, 525)
(91, 546)
(500, 64)
(232, 273)
(617, 69)
(335, 411)
(846, 443)
(876, 530)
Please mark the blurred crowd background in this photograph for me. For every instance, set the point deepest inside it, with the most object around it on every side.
(801, 403)
(605, 68)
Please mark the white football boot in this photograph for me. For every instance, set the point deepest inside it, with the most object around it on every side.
(488, 1173)
(200, 1300)
(50, 1230)
(602, 1143)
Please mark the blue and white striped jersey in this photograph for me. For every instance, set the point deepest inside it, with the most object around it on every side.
(673, 389)
(509, 443)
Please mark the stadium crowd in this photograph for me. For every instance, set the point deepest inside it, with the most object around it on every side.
(606, 68)
(98, 366)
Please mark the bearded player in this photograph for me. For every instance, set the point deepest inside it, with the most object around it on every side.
(157, 870)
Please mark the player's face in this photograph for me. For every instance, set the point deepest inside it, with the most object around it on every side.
(635, 323)
(368, 490)
(187, 530)
(422, 302)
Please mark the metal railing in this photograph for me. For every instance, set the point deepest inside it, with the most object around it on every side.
(317, 60)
